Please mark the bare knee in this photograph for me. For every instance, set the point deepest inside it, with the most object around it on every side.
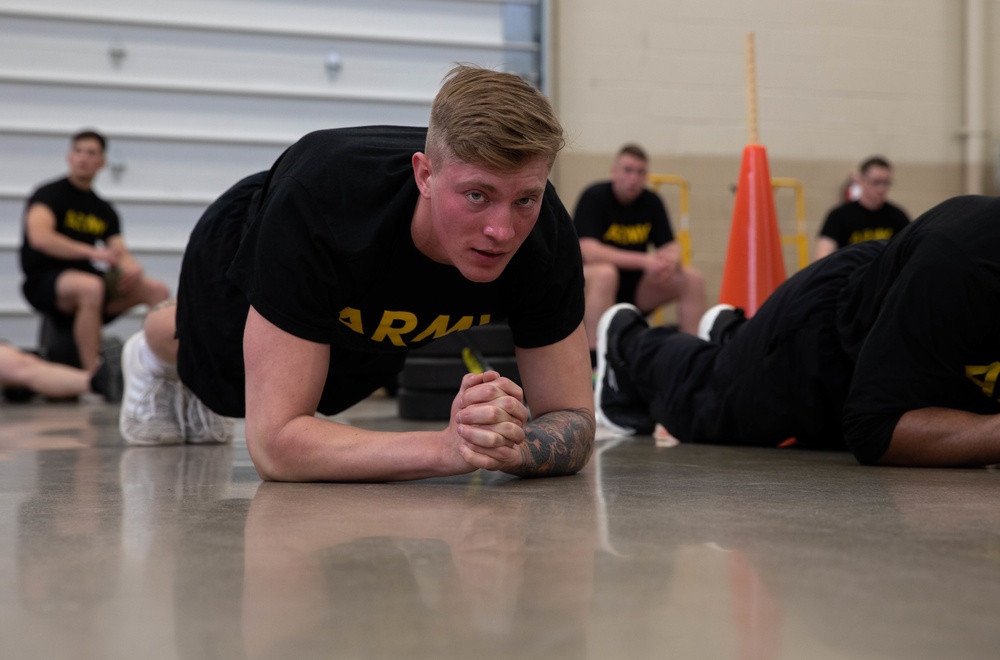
(694, 281)
(156, 292)
(78, 289)
(601, 277)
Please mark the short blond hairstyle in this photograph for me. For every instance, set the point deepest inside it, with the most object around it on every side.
(492, 119)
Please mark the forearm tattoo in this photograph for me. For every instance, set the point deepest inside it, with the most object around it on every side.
(559, 442)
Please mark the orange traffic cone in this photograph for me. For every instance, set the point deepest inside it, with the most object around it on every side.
(755, 263)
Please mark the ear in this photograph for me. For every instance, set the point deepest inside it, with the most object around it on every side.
(422, 173)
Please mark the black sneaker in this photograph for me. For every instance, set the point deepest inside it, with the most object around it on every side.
(617, 404)
(107, 380)
(719, 324)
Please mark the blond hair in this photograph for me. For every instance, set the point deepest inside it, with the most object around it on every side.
(492, 119)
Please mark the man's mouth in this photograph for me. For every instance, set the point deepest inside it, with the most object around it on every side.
(489, 254)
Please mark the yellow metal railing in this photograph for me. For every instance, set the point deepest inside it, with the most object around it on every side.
(797, 239)
(683, 221)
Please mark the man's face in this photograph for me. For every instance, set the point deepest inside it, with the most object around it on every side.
(875, 184)
(473, 218)
(628, 178)
(85, 159)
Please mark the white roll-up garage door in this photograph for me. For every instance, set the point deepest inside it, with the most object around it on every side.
(195, 94)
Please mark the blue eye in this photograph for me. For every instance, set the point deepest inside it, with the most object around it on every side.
(475, 196)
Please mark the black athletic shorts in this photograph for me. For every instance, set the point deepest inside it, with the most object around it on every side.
(212, 313)
(40, 292)
(628, 283)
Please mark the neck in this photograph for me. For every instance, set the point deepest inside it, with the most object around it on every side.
(620, 200)
(870, 204)
(82, 184)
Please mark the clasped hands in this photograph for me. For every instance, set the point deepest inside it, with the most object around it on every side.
(488, 417)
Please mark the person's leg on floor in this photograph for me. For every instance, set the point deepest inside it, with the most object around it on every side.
(672, 371)
(20, 369)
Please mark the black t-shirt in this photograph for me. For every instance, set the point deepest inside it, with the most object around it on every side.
(328, 256)
(921, 323)
(600, 215)
(852, 223)
(80, 215)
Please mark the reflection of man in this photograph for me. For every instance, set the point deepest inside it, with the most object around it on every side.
(870, 217)
(452, 568)
(617, 221)
(63, 224)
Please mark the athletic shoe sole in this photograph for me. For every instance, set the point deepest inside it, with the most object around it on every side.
(602, 366)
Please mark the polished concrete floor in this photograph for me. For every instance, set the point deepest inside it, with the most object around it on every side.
(110, 552)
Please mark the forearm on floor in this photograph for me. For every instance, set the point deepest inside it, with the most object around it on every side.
(557, 443)
(311, 449)
(943, 437)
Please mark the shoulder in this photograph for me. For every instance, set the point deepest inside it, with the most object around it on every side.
(350, 163)
(651, 200)
(595, 203)
(844, 209)
(553, 227)
(596, 192)
(93, 194)
(54, 187)
(346, 189)
(329, 146)
(896, 211)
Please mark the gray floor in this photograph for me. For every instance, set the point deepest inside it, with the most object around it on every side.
(687, 552)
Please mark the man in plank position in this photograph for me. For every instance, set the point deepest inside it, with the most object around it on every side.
(303, 287)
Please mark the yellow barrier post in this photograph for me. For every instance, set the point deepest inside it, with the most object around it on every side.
(683, 221)
(797, 239)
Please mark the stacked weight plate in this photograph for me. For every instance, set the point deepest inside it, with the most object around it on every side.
(432, 374)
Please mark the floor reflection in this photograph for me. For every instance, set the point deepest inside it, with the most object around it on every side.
(498, 565)
(688, 552)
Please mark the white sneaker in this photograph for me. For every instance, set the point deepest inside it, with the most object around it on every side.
(709, 318)
(150, 404)
(200, 424)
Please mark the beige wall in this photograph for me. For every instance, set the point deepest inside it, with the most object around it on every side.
(837, 80)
